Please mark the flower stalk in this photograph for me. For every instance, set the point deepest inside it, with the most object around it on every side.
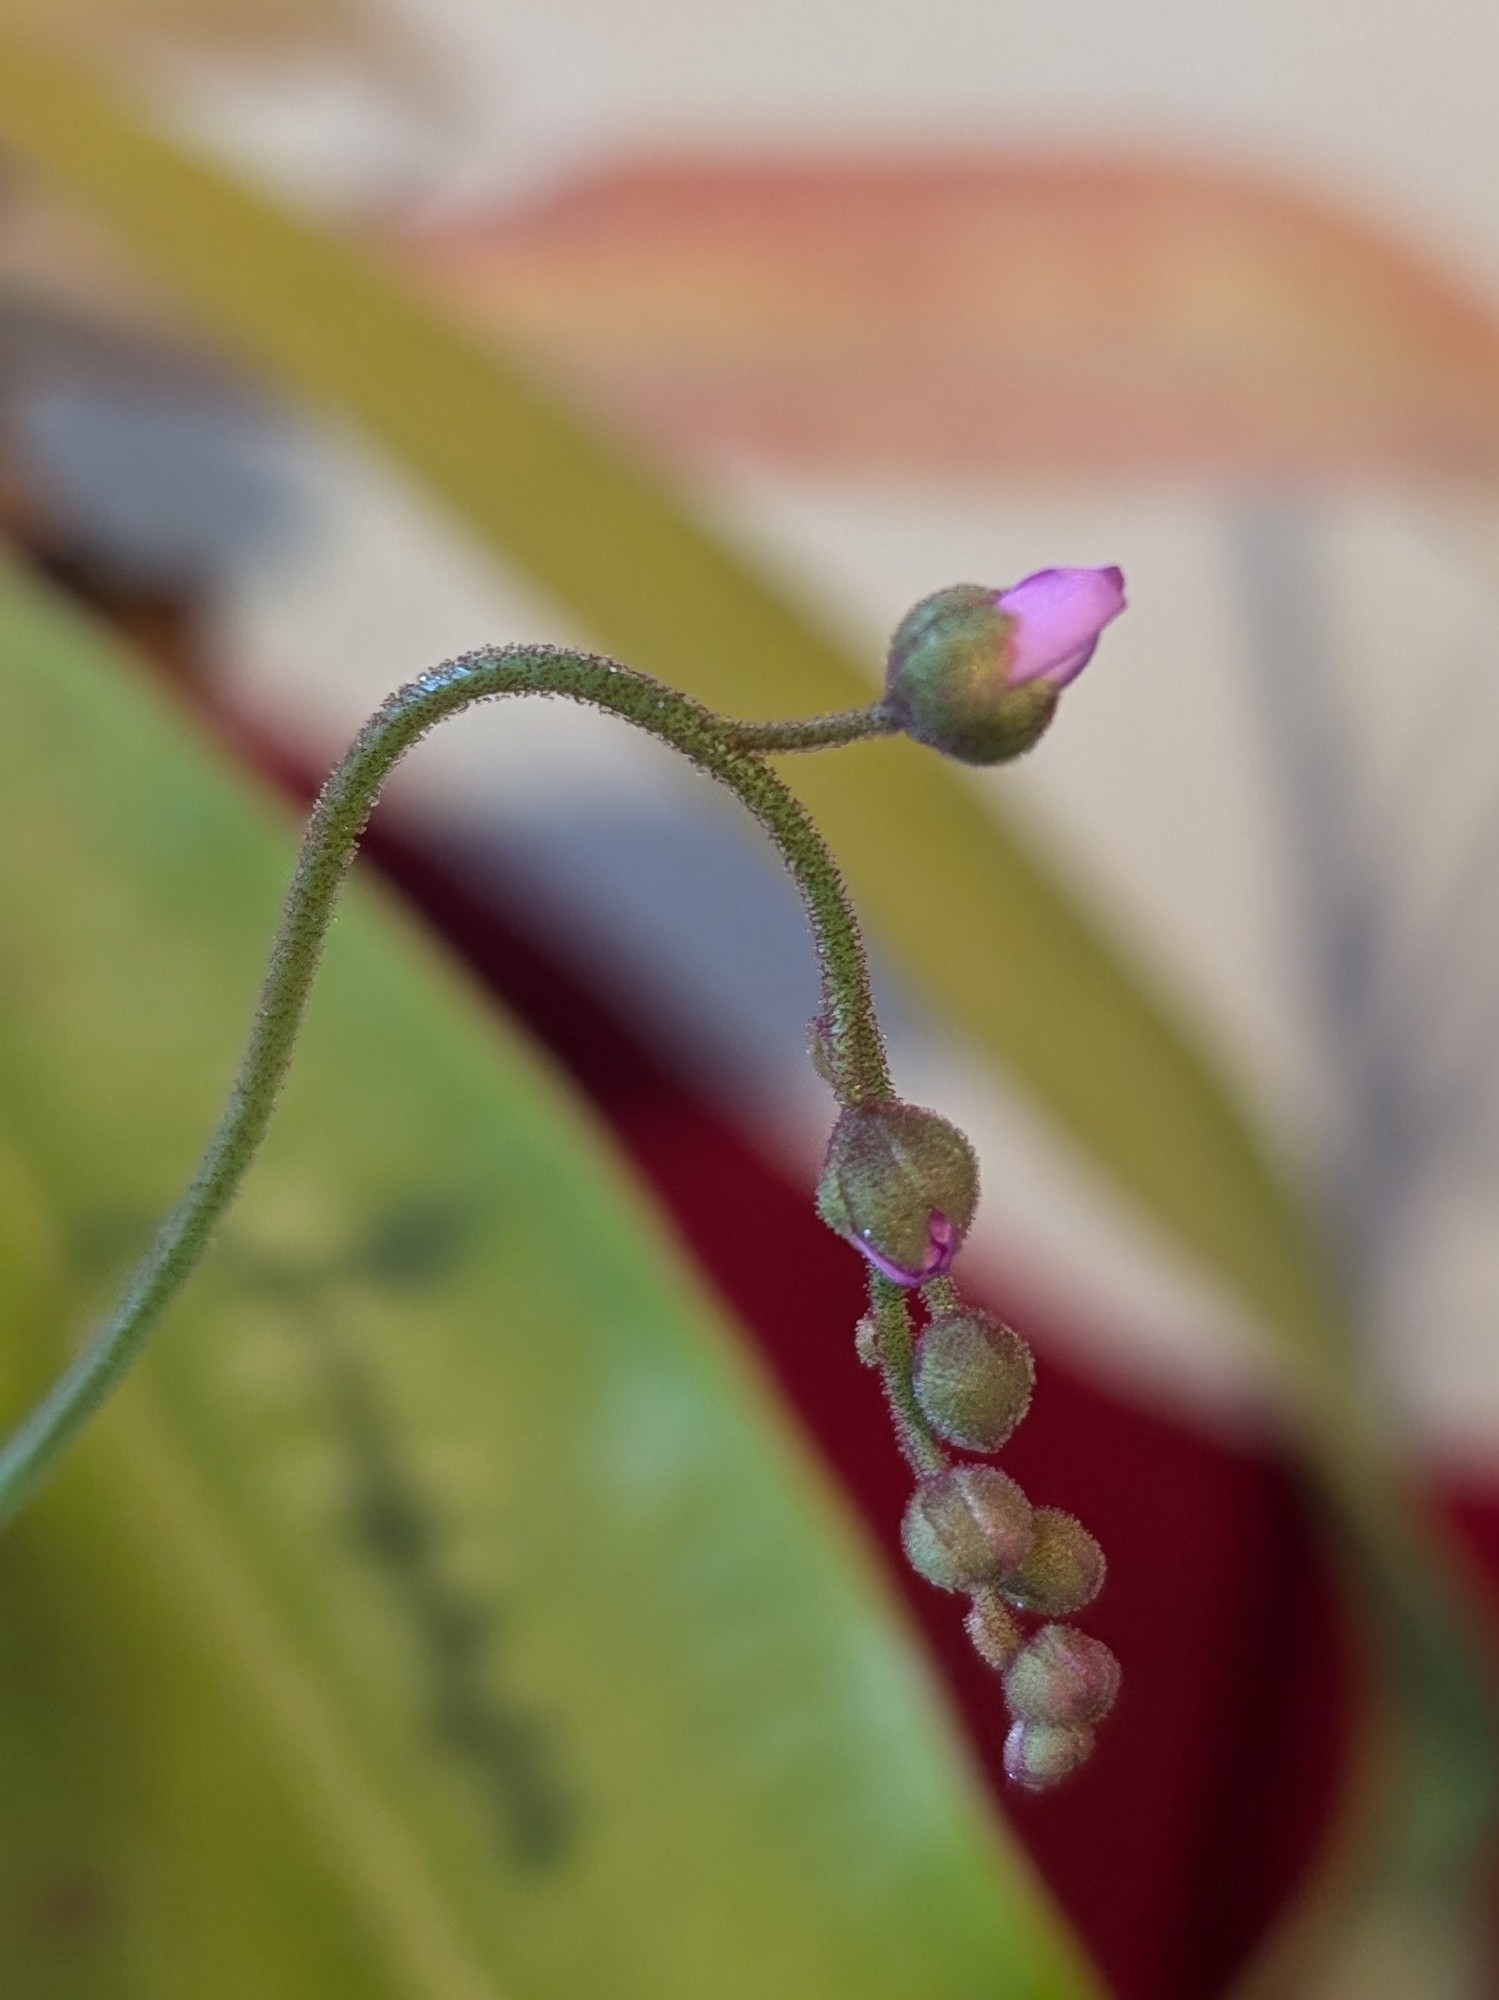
(900, 1183)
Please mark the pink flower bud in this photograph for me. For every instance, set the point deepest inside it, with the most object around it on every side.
(901, 1184)
(975, 673)
(1056, 618)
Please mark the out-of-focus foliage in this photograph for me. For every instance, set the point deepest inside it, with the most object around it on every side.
(444, 1610)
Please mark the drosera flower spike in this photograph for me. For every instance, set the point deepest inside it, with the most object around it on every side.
(975, 673)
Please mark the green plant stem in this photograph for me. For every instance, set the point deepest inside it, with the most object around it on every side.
(343, 807)
(892, 1318)
(818, 732)
(940, 1295)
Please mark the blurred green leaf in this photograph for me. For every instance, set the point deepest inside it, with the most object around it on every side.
(445, 1608)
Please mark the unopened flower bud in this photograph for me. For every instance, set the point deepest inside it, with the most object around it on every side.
(1063, 1570)
(1061, 1675)
(993, 1628)
(973, 1379)
(901, 1184)
(1038, 1754)
(967, 1526)
(976, 672)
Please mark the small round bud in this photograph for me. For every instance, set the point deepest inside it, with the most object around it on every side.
(1061, 1675)
(973, 1379)
(1038, 1754)
(1063, 1570)
(992, 1627)
(967, 1526)
(976, 672)
(901, 1184)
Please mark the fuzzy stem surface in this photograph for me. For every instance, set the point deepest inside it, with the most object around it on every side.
(818, 732)
(857, 1056)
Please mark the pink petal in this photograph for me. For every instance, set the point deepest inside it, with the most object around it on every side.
(941, 1248)
(1069, 669)
(1058, 616)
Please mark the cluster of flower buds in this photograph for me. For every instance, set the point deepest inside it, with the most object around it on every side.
(901, 1185)
(976, 674)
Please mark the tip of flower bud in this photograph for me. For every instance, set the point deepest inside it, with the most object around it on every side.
(1058, 616)
(901, 1185)
(975, 673)
(941, 1248)
(1040, 1754)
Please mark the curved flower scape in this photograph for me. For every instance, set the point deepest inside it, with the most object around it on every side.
(974, 672)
